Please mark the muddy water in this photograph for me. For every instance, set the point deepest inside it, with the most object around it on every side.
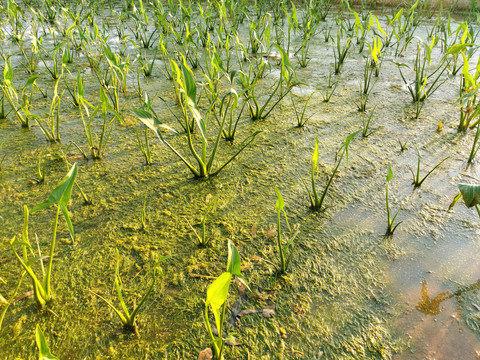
(351, 293)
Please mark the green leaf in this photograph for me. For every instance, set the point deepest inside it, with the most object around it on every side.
(61, 194)
(43, 350)
(8, 71)
(470, 194)
(234, 260)
(389, 173)
(191, 87)
(109, 54)
(59, 46)
(454, 202)
(81, 91)
(347, 143)
(217, 292)
(33, 260)
(315, 156)
(280, 204)
(457, 48)
(31, 80)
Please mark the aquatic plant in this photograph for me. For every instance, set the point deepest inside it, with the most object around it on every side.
(292, 18)
(77, 92)
(11, 94)
(202, 238)
(366, 86)
(301, 119)
(316, 202)
(258, 31)
(469, 103)
(140, 29)
(146, 67)
(143, 216)
(42, 345)
(366, 123)
(417, 181)
(187, 90)
(3, 114)
(376, 54)
(117, 81)
(475, 146)
(54, 70)
(59, 197)
(226, 114)
(127, 317)
(51, 130)
(361, 29)
(320, 8)
(331, 86)
(217, 294)
(308, 31)
(144, 148)
(286, 82)
(390, 220)
(97, 144)
(162, 47)
(339, 52)
(32, 60)
(285, 252)
(401, 30)
(424, 84)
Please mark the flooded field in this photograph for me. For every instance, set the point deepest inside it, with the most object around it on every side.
(175, 172)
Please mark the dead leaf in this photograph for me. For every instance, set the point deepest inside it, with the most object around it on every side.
(268, 313)
(205, 354)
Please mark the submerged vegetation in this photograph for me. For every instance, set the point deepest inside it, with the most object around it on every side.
(221, 83)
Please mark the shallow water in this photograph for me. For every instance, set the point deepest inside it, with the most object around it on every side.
(352, 293)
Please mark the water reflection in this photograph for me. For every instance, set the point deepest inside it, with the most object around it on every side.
(431, 306)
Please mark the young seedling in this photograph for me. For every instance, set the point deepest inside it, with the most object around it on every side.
(316, 202)
(11, 94)
(468, 99)
(283, 85)
(366, 123)
(339, 52)
(424, 84)
(43, 349)
(285, 252)
(127, 317)
(390, 225)
(98, 143)
(202, 238)
(366, 86)
(301, 119)
(217, 294)
(143, 217)
(332, 85)
(226, 114)
(308, 31)
(417, 181)
(144, 148)
(60, 197)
